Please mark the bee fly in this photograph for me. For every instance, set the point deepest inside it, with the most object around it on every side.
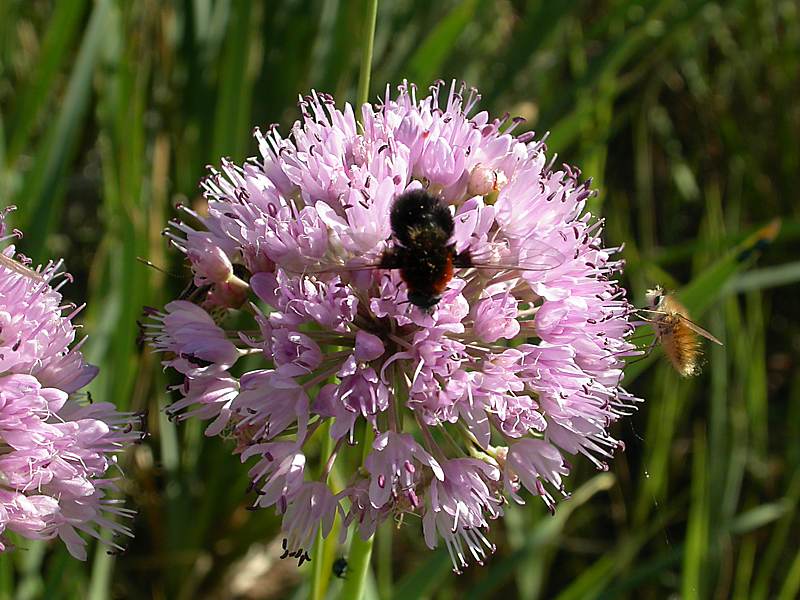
(676, 333)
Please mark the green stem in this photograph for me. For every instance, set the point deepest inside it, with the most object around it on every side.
(367, 440)
(321, 575)
(366, 55)
(384, 559)
(360, 551)
(357, 566)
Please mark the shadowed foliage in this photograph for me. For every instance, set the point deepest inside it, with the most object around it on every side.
(685, 115)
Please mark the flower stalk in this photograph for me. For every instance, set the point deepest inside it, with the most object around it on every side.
(366, 53)
(321, 571)
(361, 550)
(360, 553)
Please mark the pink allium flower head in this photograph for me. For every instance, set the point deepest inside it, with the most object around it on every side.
(461, 415)
(58, 462)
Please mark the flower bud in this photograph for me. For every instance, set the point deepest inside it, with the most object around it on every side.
(483, 181)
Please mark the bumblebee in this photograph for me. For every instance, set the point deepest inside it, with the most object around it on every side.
(423, 226)
(422, 250)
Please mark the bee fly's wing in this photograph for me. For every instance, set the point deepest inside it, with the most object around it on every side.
(685, 320)
(699, 330)
(532, 256)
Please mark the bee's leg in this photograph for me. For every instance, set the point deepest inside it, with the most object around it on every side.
(392, 258)
(462, 260)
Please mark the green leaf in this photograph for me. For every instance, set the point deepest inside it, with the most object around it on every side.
(425, 578)
(695, 576)
(761, 279)
(237, 77)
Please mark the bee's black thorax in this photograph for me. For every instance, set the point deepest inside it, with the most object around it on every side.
(419, 218)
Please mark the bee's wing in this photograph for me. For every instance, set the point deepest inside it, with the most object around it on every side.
(533, 256)
(338, 268)
(18, 267)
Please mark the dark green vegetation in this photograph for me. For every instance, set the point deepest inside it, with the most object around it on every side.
(685, 113)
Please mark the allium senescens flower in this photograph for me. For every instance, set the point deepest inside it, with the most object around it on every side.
(470, 402)
(58, 450)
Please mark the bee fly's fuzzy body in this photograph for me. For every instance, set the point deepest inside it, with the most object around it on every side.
(681, 344)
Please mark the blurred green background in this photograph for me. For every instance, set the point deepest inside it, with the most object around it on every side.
(685, 113)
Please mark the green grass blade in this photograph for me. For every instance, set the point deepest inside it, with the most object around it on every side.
(41, 195)
(791, 585)
(703, 291)
(694, 584)
(547, 532)
(63, 27)
(231, 121)
(424, 579)
(761, 279)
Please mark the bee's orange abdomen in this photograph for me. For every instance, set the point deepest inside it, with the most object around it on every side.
(447, 274)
